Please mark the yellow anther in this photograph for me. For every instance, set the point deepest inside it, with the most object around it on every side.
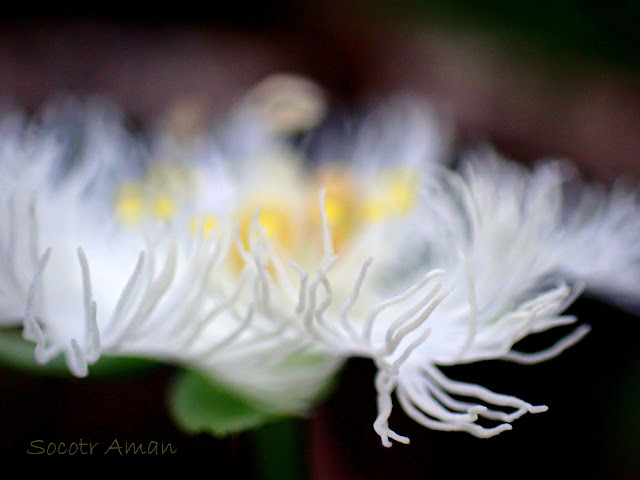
(398, 197)
(157, 196)
(336, 210)
(129, 203)
(164, 208)
(376, 209)
(203, 225)
(208, 224)
(277, 221)
(342, 205)
(274, 222)
(402, 195)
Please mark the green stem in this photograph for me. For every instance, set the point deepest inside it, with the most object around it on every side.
(279, 450)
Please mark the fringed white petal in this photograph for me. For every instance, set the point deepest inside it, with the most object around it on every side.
(484, 261)
(601, 242)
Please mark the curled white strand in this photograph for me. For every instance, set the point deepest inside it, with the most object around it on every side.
(385, 384)
(470, 204)
(123, 305)
(412, 346)
(473, 306)
(417, 342)
(44, 353)
(11, 246)
(34, 235)
(380, 307)
(449, 402)
(13, 231)
(476, 391)
(158, 287)
(448, 426)
(153, 295)
(283, 280)
(256, 256)
(302, 295)
(533, 315)
(229, 338)
(242, 251)
(399, 327)
(319, 315)
(262, 255)
(551, 352)
(210, 316)
(576, 289)
(262, 291)
(76, 360)
(310, 312)
(551, 323)
(553, 300)
(327, 242)
(185, 308)
(92, 333)
(255, 230)
(420, 391)
(344, 311)
(86, 280)
(10, 285)
(32, 330)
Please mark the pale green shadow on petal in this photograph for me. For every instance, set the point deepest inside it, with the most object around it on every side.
(17, 354)
(200, 404)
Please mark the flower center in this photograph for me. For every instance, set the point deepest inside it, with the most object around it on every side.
(289, 217)
(395, 197)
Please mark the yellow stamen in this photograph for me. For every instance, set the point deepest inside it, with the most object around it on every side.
(402, 195)
(275, 222)
(398, 197)
(342, 205)
(279, 224)
(376, 209)
(204, 225)
(129, 203)
(164, 208)
(209, 223)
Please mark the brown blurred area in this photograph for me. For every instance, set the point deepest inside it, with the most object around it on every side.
(527, 105)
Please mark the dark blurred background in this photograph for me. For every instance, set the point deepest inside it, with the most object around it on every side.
(535, 79)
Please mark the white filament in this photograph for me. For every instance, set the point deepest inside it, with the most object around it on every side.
(344, 311)
(551, 352)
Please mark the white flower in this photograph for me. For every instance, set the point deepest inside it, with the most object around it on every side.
(238, 258)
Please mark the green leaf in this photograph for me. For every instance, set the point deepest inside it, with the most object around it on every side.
(17, 353)
(198, 403)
